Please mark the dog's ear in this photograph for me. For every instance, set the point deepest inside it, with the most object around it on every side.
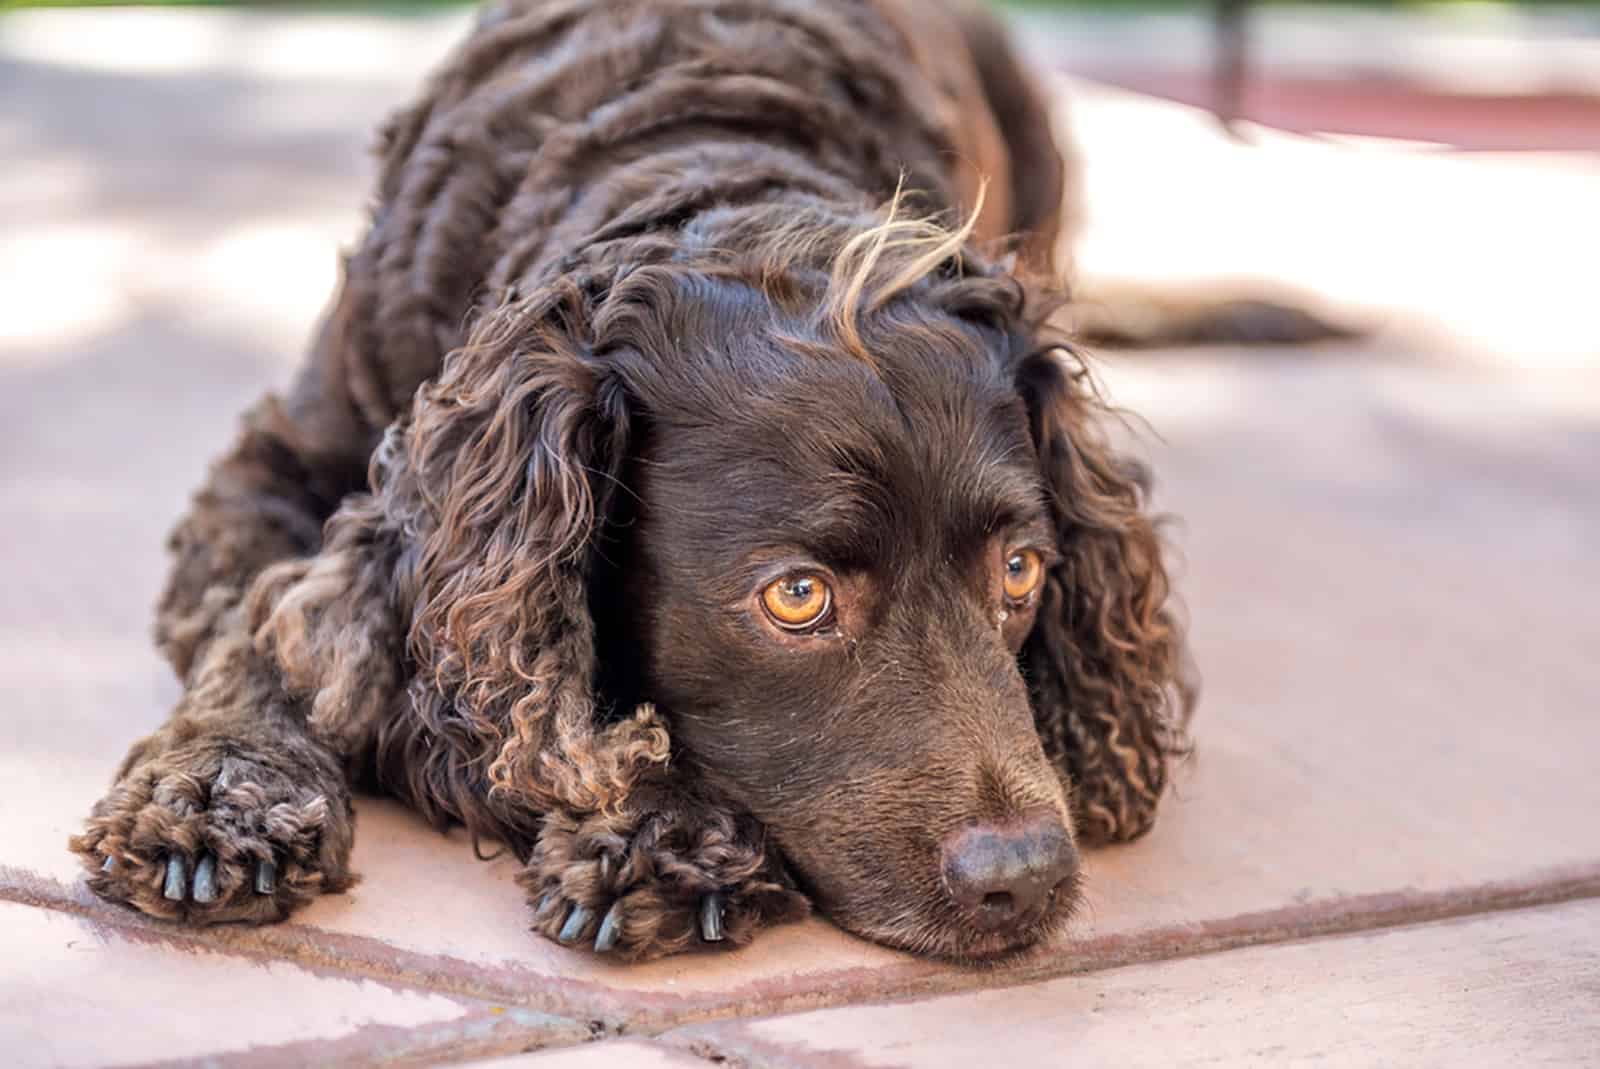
(502, 477)
(1105, 664)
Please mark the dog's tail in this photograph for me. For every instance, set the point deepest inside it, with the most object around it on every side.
(1148, 314)
(1045, 198)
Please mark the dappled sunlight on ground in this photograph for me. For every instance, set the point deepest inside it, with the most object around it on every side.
(260, 44)
(201, 168)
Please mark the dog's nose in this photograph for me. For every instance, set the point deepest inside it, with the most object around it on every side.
(1004, 874)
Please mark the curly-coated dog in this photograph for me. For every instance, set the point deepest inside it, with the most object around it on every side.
(659, 504)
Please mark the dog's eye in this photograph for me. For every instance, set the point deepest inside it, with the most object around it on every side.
(1024, 570)
(797, 602)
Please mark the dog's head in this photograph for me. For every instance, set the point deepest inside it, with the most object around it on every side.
(836, 506)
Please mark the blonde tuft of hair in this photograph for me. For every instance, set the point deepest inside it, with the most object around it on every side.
(902, 249)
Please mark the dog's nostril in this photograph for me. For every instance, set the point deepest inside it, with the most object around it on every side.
(1005, 875)
(999, 901)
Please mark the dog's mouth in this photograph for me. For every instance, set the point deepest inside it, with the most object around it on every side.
(981, 892)
(944, 931)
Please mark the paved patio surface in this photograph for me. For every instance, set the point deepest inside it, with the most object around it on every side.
(1384, 852)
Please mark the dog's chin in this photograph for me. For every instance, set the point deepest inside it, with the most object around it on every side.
(943, 933)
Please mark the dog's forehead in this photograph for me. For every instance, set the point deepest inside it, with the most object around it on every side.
(827, 448)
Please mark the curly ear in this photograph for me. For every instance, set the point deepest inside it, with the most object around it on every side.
(1106, 664)
(500, 480)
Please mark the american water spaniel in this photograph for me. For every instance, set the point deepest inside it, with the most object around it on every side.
(685, 491)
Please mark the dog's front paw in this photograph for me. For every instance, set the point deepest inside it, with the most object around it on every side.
(208, 832)
(667, 881)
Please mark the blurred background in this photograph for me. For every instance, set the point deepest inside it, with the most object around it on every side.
(1431, 165)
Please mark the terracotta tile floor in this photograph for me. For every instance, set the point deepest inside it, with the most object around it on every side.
(1383, 852)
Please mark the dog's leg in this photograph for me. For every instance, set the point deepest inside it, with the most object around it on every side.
(675, 869)
(234, 810)
(264, 501)
(238, 808)
(294, 462)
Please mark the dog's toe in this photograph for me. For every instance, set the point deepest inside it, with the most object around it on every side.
(576, 922)
(661, 887)
(176, 887)
(610, 930)
(266, 878)
(205, 880)
(210, 835)
(180, 884)
(711, 907)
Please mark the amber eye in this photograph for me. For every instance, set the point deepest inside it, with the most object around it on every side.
(797, 602)
(1024, 570)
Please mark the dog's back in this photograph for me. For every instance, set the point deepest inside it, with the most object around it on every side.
(557, 120)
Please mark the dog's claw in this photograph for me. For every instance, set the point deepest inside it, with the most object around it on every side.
(109, 865)
(205, 879)
(610, 929)
(266, 878)
(177, 885)
(711, 917)
(577, 920)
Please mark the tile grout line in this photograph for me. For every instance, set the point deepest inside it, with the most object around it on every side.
(320, 952)
(610, 1011)
(478, 1035)
(489, 1026)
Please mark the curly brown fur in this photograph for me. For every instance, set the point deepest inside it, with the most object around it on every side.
(653, 861)
(627, 334)
(1111, 692)
(234, 776)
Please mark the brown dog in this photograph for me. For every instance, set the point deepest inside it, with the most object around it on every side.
(655, 503)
